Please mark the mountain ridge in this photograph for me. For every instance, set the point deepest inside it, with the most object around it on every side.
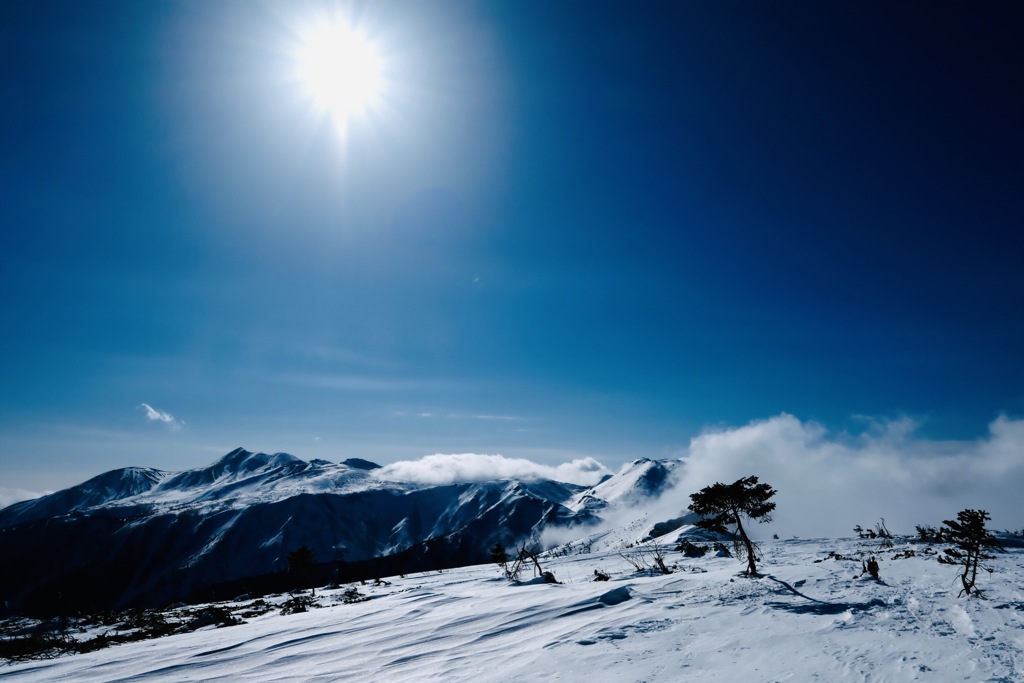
(138, 536)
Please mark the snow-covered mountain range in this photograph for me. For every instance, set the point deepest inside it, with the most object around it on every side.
(140, 536)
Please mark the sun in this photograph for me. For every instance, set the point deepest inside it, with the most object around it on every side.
(340, 70)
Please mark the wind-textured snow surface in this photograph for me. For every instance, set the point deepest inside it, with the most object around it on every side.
(806, 619)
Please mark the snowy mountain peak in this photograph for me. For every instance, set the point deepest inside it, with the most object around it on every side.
(360, 464)
(242, 461)
(104, 488)
(637, 482)
(238, 464)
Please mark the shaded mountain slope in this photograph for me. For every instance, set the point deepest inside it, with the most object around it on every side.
(147, 537)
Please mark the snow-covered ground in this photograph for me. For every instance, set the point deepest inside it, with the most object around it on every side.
(806, 619)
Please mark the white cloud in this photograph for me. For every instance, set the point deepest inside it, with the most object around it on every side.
(156, 415)
(9, 496)
(471, 467)
(828, 483)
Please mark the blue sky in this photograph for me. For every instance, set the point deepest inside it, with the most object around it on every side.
(570, 229)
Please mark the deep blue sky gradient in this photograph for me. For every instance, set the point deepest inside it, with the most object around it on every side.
(577, 228)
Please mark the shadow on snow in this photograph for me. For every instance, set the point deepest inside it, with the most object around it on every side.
(820, 607)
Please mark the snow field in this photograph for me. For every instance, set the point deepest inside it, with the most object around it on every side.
(801, 621)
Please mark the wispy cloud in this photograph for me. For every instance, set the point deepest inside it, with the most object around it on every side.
(827, 483)
(462, 416)
(9, 496)
(484, 417)
(357, 382)
(343, 356)
(156, 415)
(472, 467)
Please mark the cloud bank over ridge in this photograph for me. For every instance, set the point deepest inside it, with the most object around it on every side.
(10, 496)
(829, 483)
(440, 469)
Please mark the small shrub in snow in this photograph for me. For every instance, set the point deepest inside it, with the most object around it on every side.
(37, 645)
(352, 595)
(580, 547)
(514, 567)
(299, 603)
(214, 616)
(833, 555)
(880, 531)
(870, 567)
(635, 561)
(255, 609)
(971, 540)
(45, 640)
(929, 534)
(721, 550)
(689, 549)
(647, 557)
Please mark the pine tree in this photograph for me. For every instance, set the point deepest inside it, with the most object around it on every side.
(498, 554)
(727, 504)
(301, 563)
(971, 538)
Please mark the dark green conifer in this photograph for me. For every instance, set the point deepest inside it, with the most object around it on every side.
(723, 505)
(968, 533)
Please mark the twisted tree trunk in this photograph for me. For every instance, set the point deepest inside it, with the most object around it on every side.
(751, 562)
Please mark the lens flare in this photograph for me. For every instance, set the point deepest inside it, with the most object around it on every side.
(341, 70)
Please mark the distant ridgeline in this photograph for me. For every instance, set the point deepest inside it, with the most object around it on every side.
(139, 537)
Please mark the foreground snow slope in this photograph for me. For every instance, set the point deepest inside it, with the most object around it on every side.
(802, 621)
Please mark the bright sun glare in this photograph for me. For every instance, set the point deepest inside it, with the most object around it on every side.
(341, 70)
